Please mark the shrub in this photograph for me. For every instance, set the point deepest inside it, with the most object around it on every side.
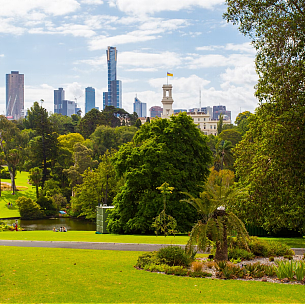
(28, 208)
(146, 259)
(266, 248)
(197, 266)
(237, 253)
(176, 270)
(199, 274)
(174, 256)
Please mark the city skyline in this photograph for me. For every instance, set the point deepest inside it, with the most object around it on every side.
(63, 43)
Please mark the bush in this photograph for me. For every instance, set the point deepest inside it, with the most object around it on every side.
(147, 259)
(47, 205)
(176, 270)
(28, 208)
(197, 266)
(238, 253)
(174, 256)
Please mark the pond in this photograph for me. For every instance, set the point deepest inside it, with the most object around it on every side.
(48, 224)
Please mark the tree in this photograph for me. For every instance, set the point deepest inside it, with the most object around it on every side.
(220, 124)
(106, 138)
(12, 143)
(172, 150)
(43, 149)
(68, 141)
(28, 208)
(35, 176)
(138, 123)
(216, 221)
(269, 158)
(225, 153)
(99, 187)
(89, 122)
(242, 121)
(164, 222)
(82, 161)
(231, 135)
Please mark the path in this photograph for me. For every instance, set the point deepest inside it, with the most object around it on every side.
(84, 245)
(97, 246)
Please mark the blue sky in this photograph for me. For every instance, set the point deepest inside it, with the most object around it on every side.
(62, 43)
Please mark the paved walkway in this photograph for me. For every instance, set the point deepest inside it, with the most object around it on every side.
(83, 245)
(97, 246)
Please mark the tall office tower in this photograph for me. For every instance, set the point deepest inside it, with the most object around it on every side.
(139, 108)
(90, 99)
(217, 110)
(114, 95)
(15, 95)
(59, 96)
(156, 111)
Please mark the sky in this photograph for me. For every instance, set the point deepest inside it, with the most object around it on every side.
(62, 43)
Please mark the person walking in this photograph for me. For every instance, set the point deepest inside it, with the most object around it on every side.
(16, 225)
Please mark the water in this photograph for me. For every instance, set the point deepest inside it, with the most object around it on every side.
(49, 224)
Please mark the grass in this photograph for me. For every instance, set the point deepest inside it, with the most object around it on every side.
(43, 275)
(293, 242)
(25, 189)
(90, 236)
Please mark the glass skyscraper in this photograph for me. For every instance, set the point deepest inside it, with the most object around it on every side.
(114, 95)
(14, 95)
(59, 96)
(139, 108)
(90, 99)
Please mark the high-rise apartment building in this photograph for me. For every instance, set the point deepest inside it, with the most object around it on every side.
(59, 96)
(139, 108)
(63, 106)
(156, 111)
(89, 99)
(14, 95)
(114, 95)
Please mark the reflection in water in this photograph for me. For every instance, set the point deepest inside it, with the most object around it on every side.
(49, 224)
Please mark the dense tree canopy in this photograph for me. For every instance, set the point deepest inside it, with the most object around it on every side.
(269, 158)
(165, 150)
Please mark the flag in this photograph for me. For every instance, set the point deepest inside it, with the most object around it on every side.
(169, 74)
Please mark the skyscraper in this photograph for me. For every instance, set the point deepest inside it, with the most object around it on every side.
(59, 96)
(217, 110)
(156, 111)
(114, 95)
(139, 108)
(90, 99)
(15, 95)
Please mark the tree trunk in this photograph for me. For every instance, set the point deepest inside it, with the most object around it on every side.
(222, 248)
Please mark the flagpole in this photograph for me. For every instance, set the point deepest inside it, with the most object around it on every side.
(167, 78)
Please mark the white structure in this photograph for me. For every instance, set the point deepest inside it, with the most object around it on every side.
(201, 118)
(167, 101)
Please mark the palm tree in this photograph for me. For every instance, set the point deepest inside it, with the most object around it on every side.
(216, 221)
(224, 155)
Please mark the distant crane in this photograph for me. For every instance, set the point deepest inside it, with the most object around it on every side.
(77, 98)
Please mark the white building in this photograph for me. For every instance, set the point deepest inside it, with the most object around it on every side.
(204, 121)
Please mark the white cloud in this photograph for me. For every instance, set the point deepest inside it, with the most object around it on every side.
(94, 2)
(217, 60)
(140, 61)
(7, 27)
(136, 7)
(241, 75)
(243, 48)
(102, 42)
(22, 8)
(1, 55)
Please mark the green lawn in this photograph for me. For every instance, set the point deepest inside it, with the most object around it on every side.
(6, 196)
(43, 275)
